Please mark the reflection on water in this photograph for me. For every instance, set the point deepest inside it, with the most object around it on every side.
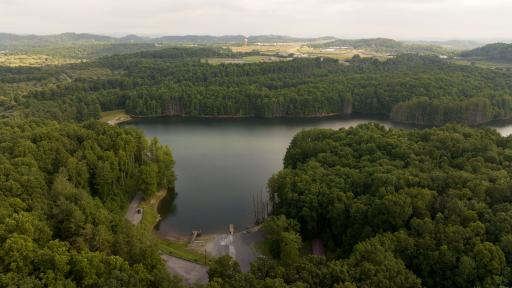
(167, 205)
(221, 163)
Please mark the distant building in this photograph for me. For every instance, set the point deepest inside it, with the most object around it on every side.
(246, 42)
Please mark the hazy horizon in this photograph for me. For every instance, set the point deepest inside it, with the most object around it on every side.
(397, 19)
(157, 35)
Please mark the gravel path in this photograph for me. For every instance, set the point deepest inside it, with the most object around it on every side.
(191, 273)
(132, 214)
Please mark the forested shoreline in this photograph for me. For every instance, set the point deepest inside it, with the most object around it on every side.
(394, 208)
(422, 90)
(64, 188)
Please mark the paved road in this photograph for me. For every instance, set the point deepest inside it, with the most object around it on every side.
(132, 214)
(191, 273)
(240, 246)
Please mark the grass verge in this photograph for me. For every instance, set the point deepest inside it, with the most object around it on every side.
(181, 250)
(177, 249)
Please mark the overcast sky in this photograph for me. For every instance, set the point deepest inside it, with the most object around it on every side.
(401, 19)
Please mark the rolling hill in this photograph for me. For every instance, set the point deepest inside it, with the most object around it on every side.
(388, 46)
(498, 52)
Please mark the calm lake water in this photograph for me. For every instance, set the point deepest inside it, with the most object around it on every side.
(221, 163)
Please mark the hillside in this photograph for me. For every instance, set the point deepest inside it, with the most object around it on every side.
(452, 44)
(388, 46)
(64, 188)
(284, 39)
(499, 52)
(422, 90)
(27, 42)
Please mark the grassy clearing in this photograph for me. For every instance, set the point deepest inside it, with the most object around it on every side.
(177, 249)
(32, 60)
(114, 117)
(268, 48)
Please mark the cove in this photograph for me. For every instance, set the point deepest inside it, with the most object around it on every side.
(221, 163)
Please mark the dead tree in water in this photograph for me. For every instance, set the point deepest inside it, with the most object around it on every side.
(260, 206)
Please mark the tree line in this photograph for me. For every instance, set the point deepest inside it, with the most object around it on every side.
(413, 89)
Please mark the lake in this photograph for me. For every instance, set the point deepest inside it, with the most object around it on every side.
(222, 163)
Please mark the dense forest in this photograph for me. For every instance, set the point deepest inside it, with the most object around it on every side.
(395, 208)
(499, 52)
(415, 89)
(63, 189)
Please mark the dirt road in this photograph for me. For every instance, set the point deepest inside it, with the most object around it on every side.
(132, 214)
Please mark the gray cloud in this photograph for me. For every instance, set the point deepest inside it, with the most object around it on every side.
(346, 18)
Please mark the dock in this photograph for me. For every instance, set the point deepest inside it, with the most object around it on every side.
(195, 234)
(231, 229)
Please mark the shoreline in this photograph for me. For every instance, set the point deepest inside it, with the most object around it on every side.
(177, 247)
(126, 118)
(204, 237)
(220, 117)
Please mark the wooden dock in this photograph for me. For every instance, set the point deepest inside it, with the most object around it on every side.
(231, 229)
(195, 234)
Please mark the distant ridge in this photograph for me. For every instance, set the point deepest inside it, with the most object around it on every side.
(453, 44)
(200, 39)
(133, 38)
(16, 42)
(386, 45)
(499, 52)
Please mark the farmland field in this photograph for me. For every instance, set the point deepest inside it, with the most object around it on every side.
(32, 60)
(308, 51)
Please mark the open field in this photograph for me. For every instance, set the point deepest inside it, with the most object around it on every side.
(307, 51)
(340, 54)
(269, 48)
(32, 60)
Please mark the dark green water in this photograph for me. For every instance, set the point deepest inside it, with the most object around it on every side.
(221, 163)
